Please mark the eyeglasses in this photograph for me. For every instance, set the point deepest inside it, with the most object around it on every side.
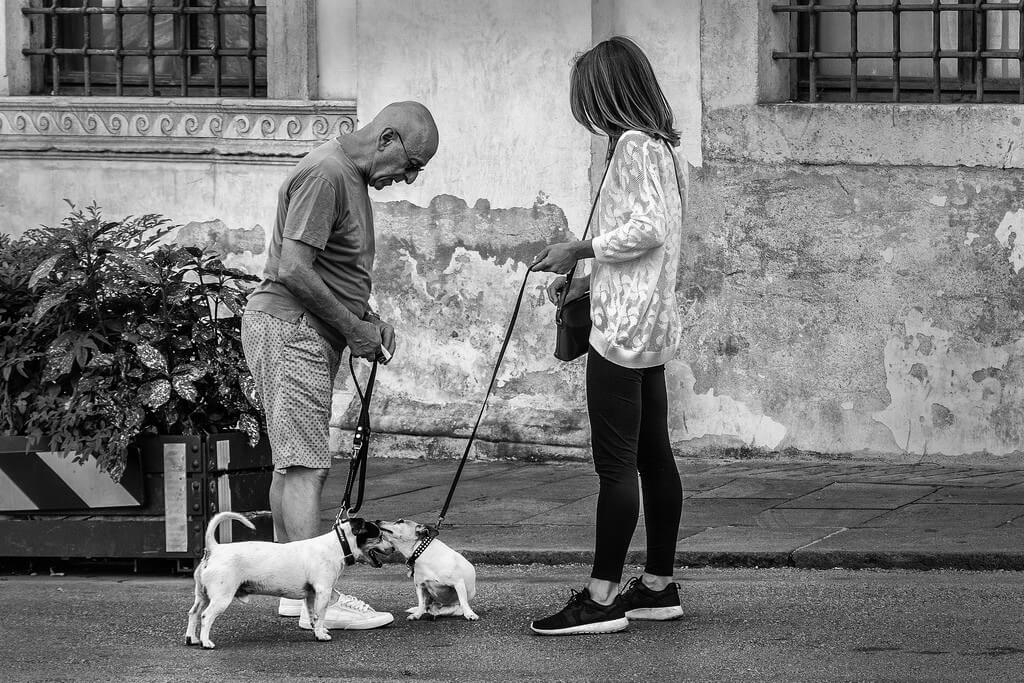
(410, 165)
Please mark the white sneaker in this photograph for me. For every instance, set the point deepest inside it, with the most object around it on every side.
(348, 613)
(288, 607)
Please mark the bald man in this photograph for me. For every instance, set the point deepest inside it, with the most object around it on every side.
(313, 302)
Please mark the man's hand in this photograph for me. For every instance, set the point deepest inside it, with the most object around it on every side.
(387, 339)
(364, 340)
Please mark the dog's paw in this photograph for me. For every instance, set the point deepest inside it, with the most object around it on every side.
(472, 616)
(416, 615)
(208, 645)
(189, 640)
(322, 636)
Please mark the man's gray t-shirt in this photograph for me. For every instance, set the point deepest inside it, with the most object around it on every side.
(323, 203)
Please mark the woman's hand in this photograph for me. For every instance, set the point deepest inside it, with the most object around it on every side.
(580, 286)
(560, 258)
(555, 288)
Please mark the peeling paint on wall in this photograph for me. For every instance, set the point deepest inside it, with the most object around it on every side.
(697, 415)
(1010, 234)
(447, 276)
(239, 247)
(950, 395)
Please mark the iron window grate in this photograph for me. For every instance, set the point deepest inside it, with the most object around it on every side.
(916, 50)
(152, 47)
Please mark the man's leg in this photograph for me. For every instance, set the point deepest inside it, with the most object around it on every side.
(276, 510)
(300, 501)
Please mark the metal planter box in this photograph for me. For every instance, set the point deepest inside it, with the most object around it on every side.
(173, 485)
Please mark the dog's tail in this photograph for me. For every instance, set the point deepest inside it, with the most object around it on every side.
(211, 528)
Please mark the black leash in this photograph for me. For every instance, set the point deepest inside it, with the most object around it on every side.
(483, 407)
(360, 444)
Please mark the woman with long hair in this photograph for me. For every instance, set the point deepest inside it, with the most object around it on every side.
(636, 329)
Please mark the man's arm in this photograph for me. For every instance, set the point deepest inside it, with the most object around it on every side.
(295, 272)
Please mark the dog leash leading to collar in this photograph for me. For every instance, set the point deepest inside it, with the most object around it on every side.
(360, 444)
(483, 406)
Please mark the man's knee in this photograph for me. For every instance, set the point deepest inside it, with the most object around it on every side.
(300, 480)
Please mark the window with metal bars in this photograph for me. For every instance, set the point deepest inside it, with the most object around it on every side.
(905, 50)
(170, 48)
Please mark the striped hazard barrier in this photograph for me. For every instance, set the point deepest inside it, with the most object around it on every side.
(37, 480)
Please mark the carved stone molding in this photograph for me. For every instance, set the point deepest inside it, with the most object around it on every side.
(183, 126)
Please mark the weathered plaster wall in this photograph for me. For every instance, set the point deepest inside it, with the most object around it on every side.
(235, 202)
(852, 283)
(850, 308)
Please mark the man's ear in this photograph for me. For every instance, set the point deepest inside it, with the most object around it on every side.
(386, 138)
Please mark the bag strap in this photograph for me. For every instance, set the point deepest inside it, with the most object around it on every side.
(593, 206)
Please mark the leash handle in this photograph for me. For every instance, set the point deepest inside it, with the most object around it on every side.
(487, 396)
(360, 443)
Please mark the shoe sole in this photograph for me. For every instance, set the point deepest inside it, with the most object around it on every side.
(613, 626)
(289, 611)
(655, 613)
(364, 626)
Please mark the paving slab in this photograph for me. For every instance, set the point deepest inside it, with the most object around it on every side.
(857, 496)
(499, 509)
(950, 518)
(741, 539)
(756, 487)
(724, 511)
(787, 518)
(1011, 495)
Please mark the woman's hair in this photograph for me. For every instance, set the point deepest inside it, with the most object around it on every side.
(613, 89)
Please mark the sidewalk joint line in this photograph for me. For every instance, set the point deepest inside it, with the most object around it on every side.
(818, 540)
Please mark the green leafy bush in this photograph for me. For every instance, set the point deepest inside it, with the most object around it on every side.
(110, 333)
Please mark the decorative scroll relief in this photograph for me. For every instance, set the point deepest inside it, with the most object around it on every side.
(217, 125)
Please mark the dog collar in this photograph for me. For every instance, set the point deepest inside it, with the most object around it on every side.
(418, 550)
(346, 549)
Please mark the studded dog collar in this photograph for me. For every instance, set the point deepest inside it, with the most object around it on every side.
(417, 551)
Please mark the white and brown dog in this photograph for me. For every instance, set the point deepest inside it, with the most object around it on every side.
(445, 581)
(301, 569)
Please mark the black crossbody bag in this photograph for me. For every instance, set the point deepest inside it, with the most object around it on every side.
(572, 318)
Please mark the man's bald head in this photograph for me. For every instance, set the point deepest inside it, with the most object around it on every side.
(414, 123)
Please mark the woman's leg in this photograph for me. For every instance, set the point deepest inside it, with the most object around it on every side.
(614, 407)
(659, 480)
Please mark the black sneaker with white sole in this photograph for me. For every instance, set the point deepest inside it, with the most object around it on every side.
(582, 615)
(640, 602)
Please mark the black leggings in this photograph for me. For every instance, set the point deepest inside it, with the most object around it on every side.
(629, 429)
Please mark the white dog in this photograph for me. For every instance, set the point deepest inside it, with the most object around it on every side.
(300, 569)
(445, 581)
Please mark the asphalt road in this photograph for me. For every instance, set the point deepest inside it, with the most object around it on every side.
(777, 624)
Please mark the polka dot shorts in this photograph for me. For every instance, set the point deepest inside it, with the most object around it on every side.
(294, 369)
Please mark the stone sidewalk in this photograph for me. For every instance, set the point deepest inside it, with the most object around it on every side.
(813, 514)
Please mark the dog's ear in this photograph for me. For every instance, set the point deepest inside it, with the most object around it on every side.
(425, 531)
(364, 531)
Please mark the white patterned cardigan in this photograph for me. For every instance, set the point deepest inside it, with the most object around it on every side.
(637, 231)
